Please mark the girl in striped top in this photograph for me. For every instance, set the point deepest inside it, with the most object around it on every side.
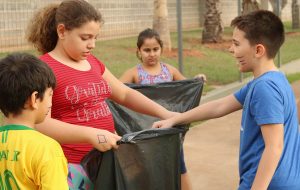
(80, 119)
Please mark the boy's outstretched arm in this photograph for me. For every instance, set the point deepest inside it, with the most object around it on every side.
(273, 135)
(213, 109)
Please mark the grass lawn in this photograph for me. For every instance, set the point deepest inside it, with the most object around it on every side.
(293, 77)
(214, 60)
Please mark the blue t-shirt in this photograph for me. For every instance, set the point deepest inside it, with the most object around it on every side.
(269, 99)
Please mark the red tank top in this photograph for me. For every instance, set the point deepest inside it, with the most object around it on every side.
(79, 98)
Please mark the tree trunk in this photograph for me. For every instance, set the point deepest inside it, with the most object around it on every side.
(274, 4)
(212, 29)
(249, 6)
(295, 14)
(160, 22)
(264, 5)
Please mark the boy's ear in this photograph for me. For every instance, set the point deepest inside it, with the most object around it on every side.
(260, 50)
(32, 100)
(61, 29)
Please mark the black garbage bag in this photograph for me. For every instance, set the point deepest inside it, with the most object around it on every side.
(178, 96)
(147, 159)
(140, 162)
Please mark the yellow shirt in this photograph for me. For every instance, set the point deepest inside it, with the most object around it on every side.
(30, 160)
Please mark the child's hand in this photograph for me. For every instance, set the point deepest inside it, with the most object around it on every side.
(163, 124)
(104, 140)
(201, 76)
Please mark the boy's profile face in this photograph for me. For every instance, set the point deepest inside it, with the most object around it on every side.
(242, 51)
(44, 106)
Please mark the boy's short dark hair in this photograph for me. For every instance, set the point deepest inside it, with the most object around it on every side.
(262, 27)
(20, 75)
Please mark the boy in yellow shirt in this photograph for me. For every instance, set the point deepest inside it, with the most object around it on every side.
(28, 159)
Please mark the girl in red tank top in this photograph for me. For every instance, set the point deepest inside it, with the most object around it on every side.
(65, 34)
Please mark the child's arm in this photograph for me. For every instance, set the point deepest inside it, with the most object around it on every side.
(175, 73)
(213, 109)
(68, 133)
(273, 135)
(129, 76)
(134, 100)
(178, 76)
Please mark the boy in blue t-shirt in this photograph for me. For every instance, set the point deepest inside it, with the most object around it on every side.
(270, 143)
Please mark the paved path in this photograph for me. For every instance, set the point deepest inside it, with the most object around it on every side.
(211, 153)
(211, 148)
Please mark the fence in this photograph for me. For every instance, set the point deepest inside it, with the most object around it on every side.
(122, 18)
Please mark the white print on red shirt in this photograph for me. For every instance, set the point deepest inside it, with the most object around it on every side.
(92, 97)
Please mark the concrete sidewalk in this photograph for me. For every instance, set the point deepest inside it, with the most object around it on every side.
(212, 147)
